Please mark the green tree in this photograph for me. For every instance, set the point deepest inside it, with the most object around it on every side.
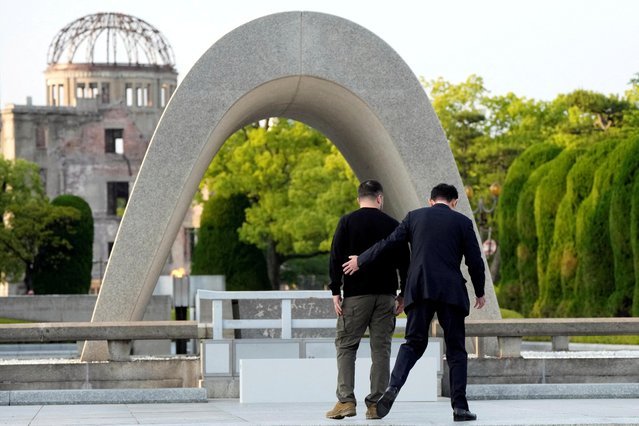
(61, 269)
(27, 217)
(219, 250)
(297, 183)
(486, 133)
(587, 111)
(463, 117)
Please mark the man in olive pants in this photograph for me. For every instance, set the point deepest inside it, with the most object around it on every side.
(370, 299)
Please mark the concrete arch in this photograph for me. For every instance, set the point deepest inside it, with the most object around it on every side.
(320, 69)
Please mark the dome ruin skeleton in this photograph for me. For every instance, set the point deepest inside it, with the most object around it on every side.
(111, 38)
(108, 59)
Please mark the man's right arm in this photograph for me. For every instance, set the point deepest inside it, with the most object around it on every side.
(474, 260)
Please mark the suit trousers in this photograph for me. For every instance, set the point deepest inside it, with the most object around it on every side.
(451, 318)
(377, 313)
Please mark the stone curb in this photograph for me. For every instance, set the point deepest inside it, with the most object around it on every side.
(102, 396)
(553, 391)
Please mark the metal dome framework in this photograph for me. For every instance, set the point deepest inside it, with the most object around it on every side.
(142, 43)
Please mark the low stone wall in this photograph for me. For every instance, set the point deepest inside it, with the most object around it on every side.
(548, 371)
(79, 308)
(70, 308)
(553, 370)
(143, 373)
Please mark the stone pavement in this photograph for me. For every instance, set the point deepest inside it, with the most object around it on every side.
(231, 412)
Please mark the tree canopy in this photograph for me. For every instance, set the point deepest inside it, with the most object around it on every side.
(219, 250)
(297, 183)
(568, 170)
(66, 269)
(28, 220)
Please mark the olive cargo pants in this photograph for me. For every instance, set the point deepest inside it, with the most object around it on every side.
(377, 312)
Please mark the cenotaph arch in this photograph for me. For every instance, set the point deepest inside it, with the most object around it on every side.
(325, 71)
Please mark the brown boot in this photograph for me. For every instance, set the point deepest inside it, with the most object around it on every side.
(341, 410)
(371, 412)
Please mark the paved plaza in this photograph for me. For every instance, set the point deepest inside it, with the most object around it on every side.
(231, 412)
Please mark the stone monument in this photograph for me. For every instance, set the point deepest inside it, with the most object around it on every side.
(325, 71)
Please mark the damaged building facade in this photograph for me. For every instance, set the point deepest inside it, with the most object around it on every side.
(108, 79)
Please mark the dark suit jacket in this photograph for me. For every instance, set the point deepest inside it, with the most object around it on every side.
(439, 238)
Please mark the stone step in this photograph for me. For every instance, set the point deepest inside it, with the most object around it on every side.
(553, 391)
(102, 396)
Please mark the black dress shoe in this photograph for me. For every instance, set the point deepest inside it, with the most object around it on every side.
(461, 415)
(386, 401)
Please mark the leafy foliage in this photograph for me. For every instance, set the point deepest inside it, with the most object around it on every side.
(511, 291)
(561, 218)
(28, 219)
(67, 269)
(549, 194)
(297, 184)
(634, 238)
(626, 173)
(219, 250)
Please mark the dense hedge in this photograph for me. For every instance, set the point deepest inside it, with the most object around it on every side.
(577, 229)
(595, 270)
(219, 250)
(548, 196)
(527, 249)
(518, 173)
(634, 237)
(620, 302)
(561, 269)
(71, 272)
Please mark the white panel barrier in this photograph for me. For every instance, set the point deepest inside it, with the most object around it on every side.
(299, 370)
(314, 380)
(222, 357)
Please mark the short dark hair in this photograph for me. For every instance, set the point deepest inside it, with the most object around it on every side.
(444, 191)
(369, 188)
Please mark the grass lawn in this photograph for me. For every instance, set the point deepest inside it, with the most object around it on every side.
(12, 321)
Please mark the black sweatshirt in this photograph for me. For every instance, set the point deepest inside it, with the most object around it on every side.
(356, 232)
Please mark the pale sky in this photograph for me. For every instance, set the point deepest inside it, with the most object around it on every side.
(534, 48)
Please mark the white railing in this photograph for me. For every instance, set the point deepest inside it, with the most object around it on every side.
(286, 323)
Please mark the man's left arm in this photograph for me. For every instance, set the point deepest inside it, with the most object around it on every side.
(475, 263)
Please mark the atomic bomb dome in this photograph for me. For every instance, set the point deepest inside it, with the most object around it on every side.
(112, 58)
(110, 38)
(108, 79)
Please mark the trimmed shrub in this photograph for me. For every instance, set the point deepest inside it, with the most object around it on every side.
(518, 173)
(595, 271)
(620, 302)
(527, 233)
(219, 250)
(548, 196)
(67, 271)
(634, 238)
(562, 262)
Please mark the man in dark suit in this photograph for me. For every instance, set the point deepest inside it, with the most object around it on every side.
(370, 298)
(439, 238)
